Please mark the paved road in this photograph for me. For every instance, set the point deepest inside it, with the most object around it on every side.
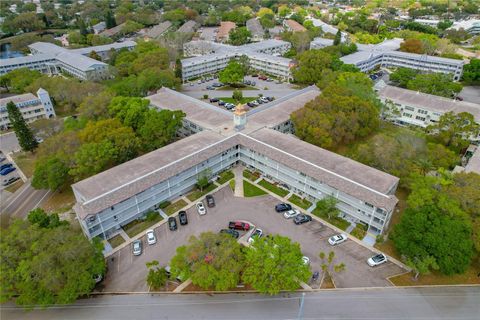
(25, 199)
(470, 94)
(368, 304)
(127, 273)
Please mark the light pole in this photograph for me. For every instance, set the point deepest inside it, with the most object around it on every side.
(300, 312)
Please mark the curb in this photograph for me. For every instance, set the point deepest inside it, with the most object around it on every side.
(19, 171)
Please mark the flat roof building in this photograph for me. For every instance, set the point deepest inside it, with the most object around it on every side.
(472, 26)
(31, 107)
(210, 58)
(256, 29)
(188, 27)
(113, 198)
(52, 59)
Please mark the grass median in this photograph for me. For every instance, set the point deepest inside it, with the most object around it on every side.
(273, 188)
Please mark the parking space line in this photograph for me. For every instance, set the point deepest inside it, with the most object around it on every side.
(118, 261)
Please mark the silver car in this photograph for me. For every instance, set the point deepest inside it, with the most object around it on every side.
(137, 247)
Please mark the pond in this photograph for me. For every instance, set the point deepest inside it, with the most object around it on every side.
(6, 53)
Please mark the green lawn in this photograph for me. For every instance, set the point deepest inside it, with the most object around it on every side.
(174, 207)
(225, 176)
(239, 88)
(336, 221)
(194, 195)
(250, 190)
(235, 102)
(25, 161)
(137, 226)
(232, 184)
(359, 231)
(14, 186)
(302, 203)
(273, 188)
(116, 241)
(250, 175)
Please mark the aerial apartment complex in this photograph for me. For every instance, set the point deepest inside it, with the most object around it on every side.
(32, 107)
(386, 54)
(421, 109)
(215, 139)
(210, 57)
(52, 59)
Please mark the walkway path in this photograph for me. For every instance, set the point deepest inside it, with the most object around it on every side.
(238, 172)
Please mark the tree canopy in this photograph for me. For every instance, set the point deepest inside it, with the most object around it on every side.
(239, 36)
(232, 74)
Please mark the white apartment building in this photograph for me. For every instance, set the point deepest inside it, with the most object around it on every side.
(107, 201)
(408, 107)
(386, 54)
(472, 26)
(209, 58)
(32, 107)
(52, 59)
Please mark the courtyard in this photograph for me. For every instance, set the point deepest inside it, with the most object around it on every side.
(127, 273)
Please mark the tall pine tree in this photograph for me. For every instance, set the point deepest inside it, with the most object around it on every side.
(338, 38)
(110, 20)
(22, 131)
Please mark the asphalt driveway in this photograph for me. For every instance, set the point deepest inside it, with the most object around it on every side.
(126, 273)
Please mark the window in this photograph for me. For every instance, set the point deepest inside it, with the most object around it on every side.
(420, 118)
(422, 111)
(409, 108)
(408, 115)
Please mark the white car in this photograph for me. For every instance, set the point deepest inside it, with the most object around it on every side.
(201, 208)
(337, 239)
(306, 260)
(291, 214)
(257, 233)
(151, 239)
(376, 260)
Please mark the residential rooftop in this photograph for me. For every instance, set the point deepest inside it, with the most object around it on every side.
(158, 30)
(295, 26)
(188, 26)
(18, 99)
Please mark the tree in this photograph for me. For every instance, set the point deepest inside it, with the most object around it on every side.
(283, 11)
(311, 64)
(156, 277)
(94, 107)
(203, 179)
(338, 38)
(471, 72)
(239, 36)
(110, 20)
(275, 263)
(328, 267)
(92, 158)
(232, 74)
(19, 79)
(402, 75)
(22, 131)
(51, 265)
(130, 111)
(412, 45)
(435, 83)
(95, 55)
(328, 206)
(264, 11)
(160, 128)
(50, 173)
(454, 129)
(131, 27)
(211, 261)
(428, 237)
(237, 95)
(43, 220)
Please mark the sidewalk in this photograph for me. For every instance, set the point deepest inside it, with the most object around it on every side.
(238, 172)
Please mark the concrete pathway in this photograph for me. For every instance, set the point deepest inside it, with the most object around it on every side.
(351, 227)
(312, 207)
(186, 199)
(369, 239)
(238, 172)
(182, 286)
(123, 234)
(163, 214)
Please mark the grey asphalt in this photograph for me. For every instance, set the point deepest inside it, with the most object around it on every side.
(127, 273)
(9, 142)
(367, 304)
(470, 94)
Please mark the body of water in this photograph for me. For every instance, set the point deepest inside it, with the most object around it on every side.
(6, 53)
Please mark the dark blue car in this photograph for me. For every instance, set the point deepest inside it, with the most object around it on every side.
(6, 171)
(7, 165)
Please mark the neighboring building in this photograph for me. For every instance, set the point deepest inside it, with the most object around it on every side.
(472, 26)
(188, 27)
(112, 32)
(209, 57)
(52, 59)
(115, 197)
(428, 22)
(99, 27)
(325, 26)
(275, 32)
(32, 107)
(224, 30)
(408, 107)
(256, 29)
(294, 26)
(157, 31)
(386, 54)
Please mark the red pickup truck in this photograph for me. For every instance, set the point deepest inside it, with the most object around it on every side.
(238, 225)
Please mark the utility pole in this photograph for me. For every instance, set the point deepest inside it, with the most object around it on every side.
(300, 312)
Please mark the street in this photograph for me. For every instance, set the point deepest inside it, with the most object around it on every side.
(25, 199)
(369, 304)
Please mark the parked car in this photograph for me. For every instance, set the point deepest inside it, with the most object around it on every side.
(255, 75)
(9, 181)
(259, 101)
(6, 165)
(7, 170)
(258, 233)
(254, 102)
(182, 217)
(264, 99)
(302, 218)
(377, 259)
(201, 208)
(250, 104)
(151, 239)
(213, 99)
(269, 80)
(229, 105)
(306, 260)
(210, 88)
(137, 247)
(270, 98)
(291, 213)
(172, 223)
(253, 83)
(458, 98)
(337, 239)
(281, 207)
(199, 81)
(231, 232)
(239, 225)
(2, 159)
(221, 103)
(210, 201)
(98, 278)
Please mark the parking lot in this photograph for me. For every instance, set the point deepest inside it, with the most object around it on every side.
(126, 273)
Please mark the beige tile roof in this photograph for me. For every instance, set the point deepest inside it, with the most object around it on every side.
(224, 30)
(17, 99)
(295, 26)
